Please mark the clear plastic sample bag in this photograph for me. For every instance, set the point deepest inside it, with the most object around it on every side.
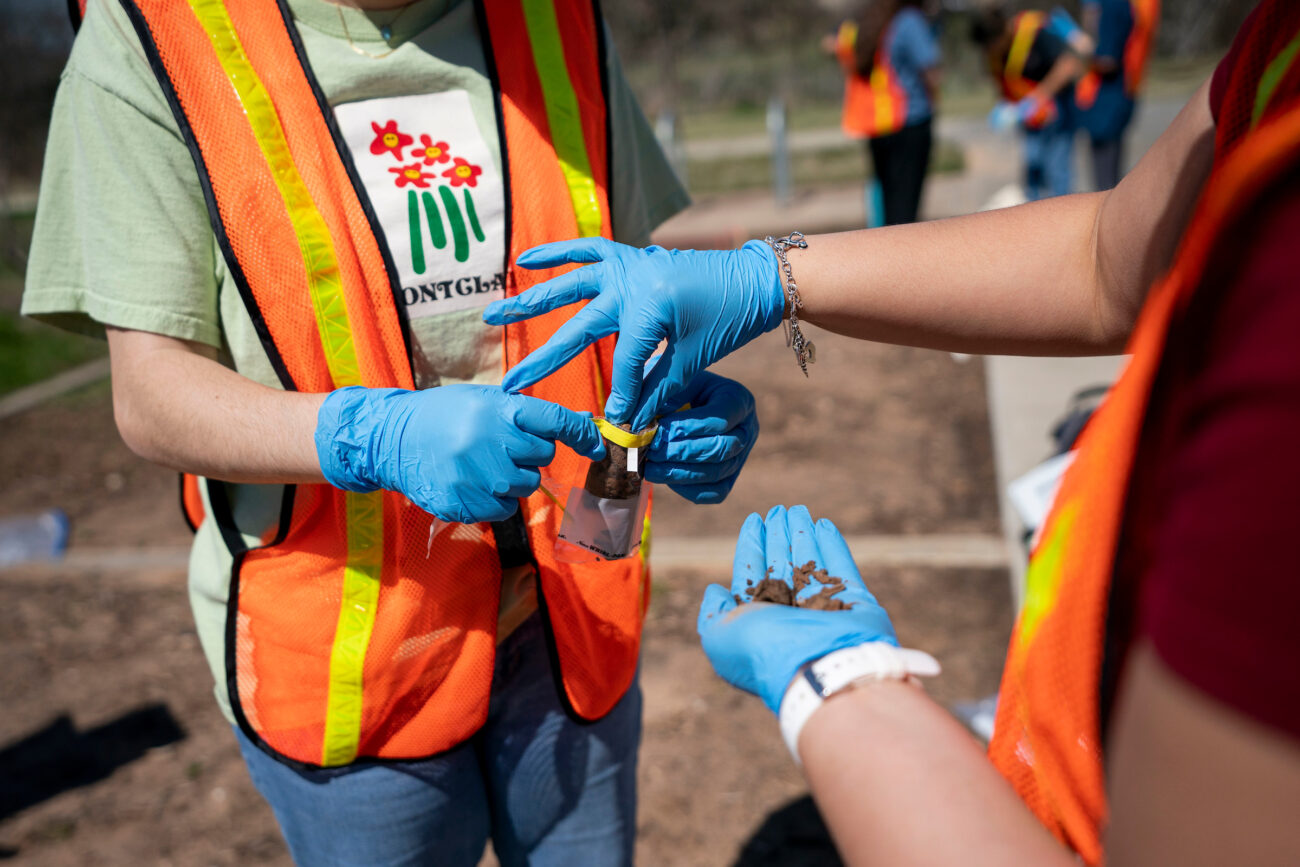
(605, 514)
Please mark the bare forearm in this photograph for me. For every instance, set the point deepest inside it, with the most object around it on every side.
(898, 781)
(176, 406)
(1064, 276)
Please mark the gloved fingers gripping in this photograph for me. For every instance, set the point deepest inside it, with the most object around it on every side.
(598, 319)
(803, 545)
(839, 563)
(528, 450)
(517, 483)
(574, 250)
(663, 385)
(693, 472)
(778, 545)
(717, 601)
(750, 562)
(671, 447)
(714, 412)
(479, 506)
(638, 339)
(570, 288)
(554, 422)
(709, 494)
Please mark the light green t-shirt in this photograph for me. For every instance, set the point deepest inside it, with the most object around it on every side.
(123, 236)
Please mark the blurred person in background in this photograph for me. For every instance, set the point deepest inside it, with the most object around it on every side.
(1122, 31)
(286, 219)
(1034, 59)
(891, 65)
(1150, 703)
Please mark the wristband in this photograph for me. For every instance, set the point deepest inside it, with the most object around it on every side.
(839, 670)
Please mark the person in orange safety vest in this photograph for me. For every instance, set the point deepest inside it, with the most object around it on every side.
(287, 218)
(891, 64)
(1150, 703)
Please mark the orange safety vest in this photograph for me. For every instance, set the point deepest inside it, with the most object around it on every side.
(874, 105)
(1047, 740)
(1146, 16)
(1010, 73)
(348, 636)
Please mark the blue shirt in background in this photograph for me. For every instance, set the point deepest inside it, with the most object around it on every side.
(912, 50)
(1108, 117)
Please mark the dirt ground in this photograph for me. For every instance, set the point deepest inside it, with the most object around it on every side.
(113, 752)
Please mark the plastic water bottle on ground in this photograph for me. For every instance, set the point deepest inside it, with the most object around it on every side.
(42, 536)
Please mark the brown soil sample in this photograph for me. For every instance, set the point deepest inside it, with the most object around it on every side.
(609, 478)
(779, 593)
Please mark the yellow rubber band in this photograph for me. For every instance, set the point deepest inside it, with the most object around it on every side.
(620, 437)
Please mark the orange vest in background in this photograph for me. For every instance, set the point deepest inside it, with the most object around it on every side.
(1047, 740)
(874, 105)
(1137, 50)
(350, 636)
(1010, 76)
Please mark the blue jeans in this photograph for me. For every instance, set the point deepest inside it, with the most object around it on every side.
(1048, 155)
(547, 790)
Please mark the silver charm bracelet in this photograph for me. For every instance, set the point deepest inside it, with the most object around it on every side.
(804, 351)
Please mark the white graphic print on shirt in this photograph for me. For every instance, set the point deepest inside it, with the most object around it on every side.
(437, 195)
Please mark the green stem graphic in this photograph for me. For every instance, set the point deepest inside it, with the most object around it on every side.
(458, 234)
(436, 231)
(473, 216)
(417, 237)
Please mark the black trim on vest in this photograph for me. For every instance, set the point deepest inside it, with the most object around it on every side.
(185, 512)
(345, 157)
(485, 36)
(490, 60)
(74, 15)
(602, 58)
(224, 516)
(214, 215)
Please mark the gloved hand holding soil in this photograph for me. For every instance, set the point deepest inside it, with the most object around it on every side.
(815, 600)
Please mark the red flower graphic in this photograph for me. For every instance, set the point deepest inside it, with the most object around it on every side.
(432, 151)
(387, 138)
(463, 172)
(411, 175)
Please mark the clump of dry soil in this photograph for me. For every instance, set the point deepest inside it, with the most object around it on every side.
(780, 593)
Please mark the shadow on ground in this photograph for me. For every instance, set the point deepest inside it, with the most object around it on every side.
(792, 836)
(59, 758)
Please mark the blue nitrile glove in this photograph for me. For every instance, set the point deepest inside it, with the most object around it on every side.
(463, 453)
(759, 646)
(1062, 25)
(1004, 116)
(698, 452)
(707, 303)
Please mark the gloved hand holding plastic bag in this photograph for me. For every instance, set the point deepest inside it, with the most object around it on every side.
(699, 452)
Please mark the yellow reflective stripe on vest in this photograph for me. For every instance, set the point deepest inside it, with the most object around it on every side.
(1026, 30)
(1272, 77)
(364, 511)
(361, 580)
(882, 94)
(562, 113)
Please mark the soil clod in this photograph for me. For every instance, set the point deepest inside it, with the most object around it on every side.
(780, 593)
(609, 478)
